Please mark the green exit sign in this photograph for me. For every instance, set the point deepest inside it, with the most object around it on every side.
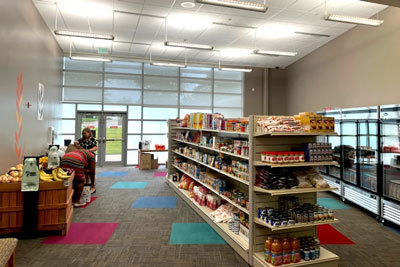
(103, 50)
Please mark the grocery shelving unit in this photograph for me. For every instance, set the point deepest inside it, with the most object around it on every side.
(252, 250)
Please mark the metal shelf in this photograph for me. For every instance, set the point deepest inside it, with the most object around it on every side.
(209, 130)
(214, 169)
(212, 149)
(213, 190)
(292, 191)
(299, 164)
(325, 257)
(294, 134)
(296, 226)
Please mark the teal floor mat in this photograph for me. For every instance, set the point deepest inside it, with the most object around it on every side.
(194, 234)
(332, 203)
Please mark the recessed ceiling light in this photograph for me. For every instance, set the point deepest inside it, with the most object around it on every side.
(275, 53)
(188, 5)
(99, 59)
(189, 45)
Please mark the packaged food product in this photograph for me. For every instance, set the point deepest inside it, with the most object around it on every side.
(276, 253)
(267, 250)
(295, 250)
(286, 251)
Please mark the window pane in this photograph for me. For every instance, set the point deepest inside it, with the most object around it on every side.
(83, 65)
(159, 113)
(122, 96)
(228, 75)
(227, 100)
(228, 87)
(68, 126)
(124, 67)
(196, 72)
(89, 107)
(229, 112)
(68, 111)
(158, 83)
(134, 127)
(82, 94)
(132, 157)
(195, 85)
(183, 112)
(133, 141)
(161, 156)
(193, 99)
(122, 81)
(161, 71)
(83, 79)
(159, 98)
(155, 127)
(157, 140)
(134, 112)
(114, 108)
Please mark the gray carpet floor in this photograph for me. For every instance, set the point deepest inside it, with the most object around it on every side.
(142, 237)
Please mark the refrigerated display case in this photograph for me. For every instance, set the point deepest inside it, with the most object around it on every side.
(390, 162)
(349, 154)
(368, 154)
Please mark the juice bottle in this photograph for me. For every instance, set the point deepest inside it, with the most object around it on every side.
(267, 250)
(287, 251)
(295, 250)
(276, 253)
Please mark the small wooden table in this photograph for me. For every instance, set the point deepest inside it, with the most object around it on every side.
(148, 151)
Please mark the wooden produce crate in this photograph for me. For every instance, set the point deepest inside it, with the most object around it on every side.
(11, 208)
(55, 207)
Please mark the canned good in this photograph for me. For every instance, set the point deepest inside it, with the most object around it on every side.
(306, 254)
(331, 214)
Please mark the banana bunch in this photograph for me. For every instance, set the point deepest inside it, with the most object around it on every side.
(56, 175)
(45, 177)
(59, 174)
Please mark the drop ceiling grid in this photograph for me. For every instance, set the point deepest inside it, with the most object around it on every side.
(304, 15)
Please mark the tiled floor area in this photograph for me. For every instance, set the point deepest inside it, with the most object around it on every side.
(143, 234)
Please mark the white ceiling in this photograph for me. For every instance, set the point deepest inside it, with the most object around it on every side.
(138, 36)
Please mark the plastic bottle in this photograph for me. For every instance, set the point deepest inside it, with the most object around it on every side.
(267, 250)
(295, 250)
(287, 251)
(276, 253)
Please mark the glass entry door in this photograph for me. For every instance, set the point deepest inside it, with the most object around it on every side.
(109, 129)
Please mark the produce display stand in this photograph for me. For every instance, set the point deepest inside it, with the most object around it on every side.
(252, 249)
(55, 209)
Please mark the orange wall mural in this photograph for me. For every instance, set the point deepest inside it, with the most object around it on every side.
(19, 151)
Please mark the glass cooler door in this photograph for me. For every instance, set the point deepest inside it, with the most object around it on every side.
(349, 153)
(391, 158)
(368, 154)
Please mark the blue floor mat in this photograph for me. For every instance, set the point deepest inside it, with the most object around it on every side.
(129, 185)
(112, 174)
(154, 202)
(195, 234)
(332, 203)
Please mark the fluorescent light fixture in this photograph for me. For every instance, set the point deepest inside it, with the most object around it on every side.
(233, 25)
(313, 34)
(85, 34)
(236, 69)
(99, 59)
(168, 64)
(275, 53)
(235, 4)
(354, 20)
(188, 45)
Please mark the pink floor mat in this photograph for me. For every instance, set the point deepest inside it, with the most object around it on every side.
(85, 234)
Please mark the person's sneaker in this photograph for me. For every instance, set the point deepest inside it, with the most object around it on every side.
(77, 205)
(92, 191)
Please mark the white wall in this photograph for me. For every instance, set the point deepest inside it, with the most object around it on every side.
(28, 47)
